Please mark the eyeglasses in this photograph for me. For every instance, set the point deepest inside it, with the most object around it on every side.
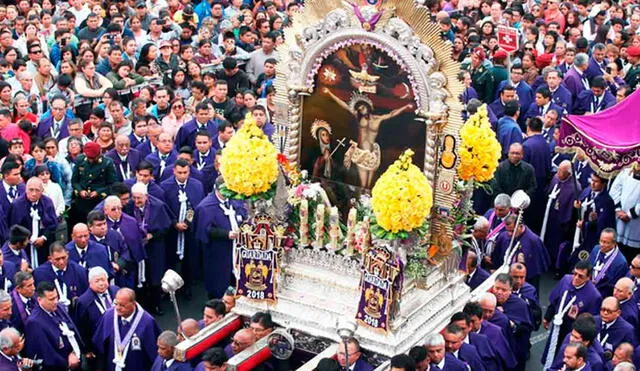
(115, 208)
(36, 52)
(178, 106)
(607, 310)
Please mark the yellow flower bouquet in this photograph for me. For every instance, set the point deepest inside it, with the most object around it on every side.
(249, 164)
(479, 149)
(401, 200)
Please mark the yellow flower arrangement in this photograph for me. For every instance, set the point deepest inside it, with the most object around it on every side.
(479, 149)
(401, 199)
(249, 162)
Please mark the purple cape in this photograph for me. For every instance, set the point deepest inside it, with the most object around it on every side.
(535, 255)
(500, 345)
(96, 256)
(618, 269)
(75, 277)
(87, 314)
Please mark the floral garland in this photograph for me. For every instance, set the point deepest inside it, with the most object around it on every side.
(479, 149)
(249, 164)
(401, 200)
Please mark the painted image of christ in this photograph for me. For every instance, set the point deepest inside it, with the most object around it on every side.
(365, 153)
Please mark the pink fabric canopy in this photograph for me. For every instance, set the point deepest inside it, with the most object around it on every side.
(611, 138)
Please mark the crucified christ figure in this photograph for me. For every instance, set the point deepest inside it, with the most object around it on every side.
(366, 152)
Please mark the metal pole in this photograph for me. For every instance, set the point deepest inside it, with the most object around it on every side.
(172, 296)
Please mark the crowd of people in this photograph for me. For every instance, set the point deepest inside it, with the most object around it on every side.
(112, 119)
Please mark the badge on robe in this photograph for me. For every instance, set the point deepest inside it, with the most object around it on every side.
(190, 215)
(583, 255)
(573, 312)
(135, 343)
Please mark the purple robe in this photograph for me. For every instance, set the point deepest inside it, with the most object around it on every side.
(617, 269)
(88, 312)
(96, 256)
(478, 277)
(168, 173)
(573, 80)
(561, 222)
(155, 160)
(594, 356)
(629, 311)
(128, 228)
(186, 135)
(596, 68)
(583, 171)
(74, 276)
(205, 163)
(7, 270)
(588, 300)
(562, 97)
(5, 203)
(137, 359)
(19, 213)
(212, 230)
(605, 209)
(155, 220)
(10, 256)
(518, 313)
(135, 142)
(587, 102)
(152, 188)
(532, 250)
(500, 344)
(125, 169)
(44, 339)
(529, 294)
(118, 253)
(485, 350)
(536, 153)
(469, 355)
(175, 366)
(9, 364)
(617, 333)
(44, 128)
(20, 310)
(195, 194)
(146, 148)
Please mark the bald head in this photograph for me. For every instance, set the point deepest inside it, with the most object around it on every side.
(190, 327)
(242, 340)
(623, 353)
(488, 303)
(515, 153)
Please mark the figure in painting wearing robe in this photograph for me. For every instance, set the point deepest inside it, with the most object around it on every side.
(366, 152)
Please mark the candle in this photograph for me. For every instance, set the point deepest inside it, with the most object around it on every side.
(319, 242)
(304, 222)
(351, 230)
(334, 228)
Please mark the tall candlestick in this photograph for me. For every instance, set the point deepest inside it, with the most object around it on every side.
(319, 242)
(351, 230)
(334, 228)
(304, 222)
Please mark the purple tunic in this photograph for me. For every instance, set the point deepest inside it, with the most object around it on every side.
(125, 169)
(469, 355)
(10, 256)
(137, 359)
(153, 188)
(154, 159)
(19, 213)
(518, 312)
(485, 350)
(608, 276)
(532, 251)
(118, 253)
(88, 312)
(500, 344)
(44, 339)
(175, 366)
(96, 256)
(594, 356)
(616, 333)
(561, 223)
(186, 135)
(21, 311)
(212, 229)
(74, 276)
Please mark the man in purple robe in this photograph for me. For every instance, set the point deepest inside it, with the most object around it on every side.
(481, 342)
(187, 133)
(598, 212)
(527, 249)
(165, 156)
(186, 154)
(583, 170)
(167, 342)
(613, 330)
(7, 270)
(499, 343)
(120, 259)
(12, 187)
(475, 274)
(587, 300)
(560, 95)
(133, 236)
(623, 291)
(13, 250)
(454, 345)
(126, 335)
(559, 215)
(575, 80)
(87, 253)
(149, 146)
(22, 299)
(184, 194)
(541, 105)
(11, 344)
(525, 291)
(490, 314)
(125, 158)
(50, 334)
(519, 317)
(438, 356)
(154, 219)
(56, 124)
(92, 304)
(217, 221)
(575, 357)
(594, 100)
(584, 332)
(36, 212)
(144, 175)
(609, 264)
(507, 94)
(536, 153)
(204, 159)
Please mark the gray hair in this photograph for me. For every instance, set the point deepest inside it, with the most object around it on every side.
(4, 297)
(481, 223)
(599, 46)
(625, 366)
(488, 297)
(112, 200)
(502, 200)
(433, 340)
(568, 165)
(6, 335)
(97, 272)
(20, 277)
(168, 338)
(549, 69)
(581, 59)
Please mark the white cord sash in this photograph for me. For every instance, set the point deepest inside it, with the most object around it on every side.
(231, 214)
(555, 330)
(71, 336)
(35, 233)
(552, 196)
(182, 215)
(120, 345)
